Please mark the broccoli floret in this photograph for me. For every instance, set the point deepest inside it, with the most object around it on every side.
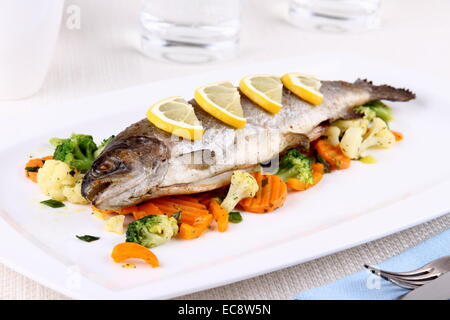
(102, 146)
(56, 141)
(152, 231)
(296, 165)
(77, 151)
(375, 109)
(367, 112)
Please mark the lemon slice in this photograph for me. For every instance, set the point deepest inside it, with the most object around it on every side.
(264, 90)
(223, 101)
(304, 86)
(176, 116)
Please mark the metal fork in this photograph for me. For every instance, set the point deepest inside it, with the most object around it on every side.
(415, 278)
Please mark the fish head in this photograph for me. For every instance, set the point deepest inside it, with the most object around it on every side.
(125, 172)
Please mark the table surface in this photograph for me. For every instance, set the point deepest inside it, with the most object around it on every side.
(103, 55)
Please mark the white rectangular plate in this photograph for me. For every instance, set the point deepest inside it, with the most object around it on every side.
(407, 186)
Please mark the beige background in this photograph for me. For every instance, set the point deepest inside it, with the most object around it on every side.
(104, 55)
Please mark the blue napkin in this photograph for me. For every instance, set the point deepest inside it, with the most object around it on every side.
(364, 285)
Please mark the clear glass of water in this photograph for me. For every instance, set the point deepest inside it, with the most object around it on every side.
(335, 15)
(190, 31)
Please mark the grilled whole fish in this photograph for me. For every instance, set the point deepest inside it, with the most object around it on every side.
(143, 162)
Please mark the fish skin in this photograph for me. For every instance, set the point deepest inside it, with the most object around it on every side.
(144, 162)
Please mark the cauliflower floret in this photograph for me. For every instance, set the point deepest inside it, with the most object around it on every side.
(385, 139)
(343, 125)
(53, 177)
(358, 137)
(60, 182)
(333, 133)
(243, 185)
(378, 136)
(351, 142)
(73, 194)
(115, 224)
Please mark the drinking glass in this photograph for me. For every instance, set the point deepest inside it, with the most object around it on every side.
(28, 34)
(335, 15)
(190, 31)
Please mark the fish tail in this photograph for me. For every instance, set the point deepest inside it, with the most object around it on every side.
(385, 92)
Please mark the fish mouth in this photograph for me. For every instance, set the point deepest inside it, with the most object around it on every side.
(112, 194)
(91, 190)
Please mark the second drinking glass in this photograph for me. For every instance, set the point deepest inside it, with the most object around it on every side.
(191, 31)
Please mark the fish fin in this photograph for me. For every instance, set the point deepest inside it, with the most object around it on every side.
(385, 92)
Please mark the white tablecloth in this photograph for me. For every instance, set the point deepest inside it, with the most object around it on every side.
(104, 55)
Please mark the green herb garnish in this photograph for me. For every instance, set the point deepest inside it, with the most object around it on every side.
(88, 238)
(177, 215)
(234, 217)
(53, 203)
(326, 165)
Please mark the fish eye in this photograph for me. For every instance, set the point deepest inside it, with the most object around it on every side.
(105, 167)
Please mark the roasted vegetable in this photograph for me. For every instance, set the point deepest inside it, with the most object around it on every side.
(115, 224)
(351, 142)
(129, 250)
(332, 155)
(77, 151)
(343, 125)
(102, 146)
(58, 181)
(271, 194)
(333, 133)
(220, 214)
(33, 165)
(378, 136)
(375, 109)
(357, 135)
(54, 177)
(296, 165)
(152, 231)
(243, 185)
(318, 171)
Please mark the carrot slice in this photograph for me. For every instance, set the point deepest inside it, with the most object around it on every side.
(193, 226)
(398, 135)
(189, 206)
(146, 209)
(131, 250)
(220, 215)
(318, 167)
(127, 210)
(298, 185)
(333, 155)
(188, 203)
(171, 205)
(195, 220)
(94, 208)
(188, 232)
(33, 166)
(167, 209)
(270, 196)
